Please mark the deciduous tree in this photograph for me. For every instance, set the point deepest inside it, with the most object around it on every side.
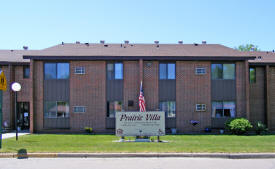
(248, 47)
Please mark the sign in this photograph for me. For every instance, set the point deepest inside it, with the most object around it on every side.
(150, 123)
(3, 81)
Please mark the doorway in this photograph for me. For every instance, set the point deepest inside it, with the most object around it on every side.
(23, 115)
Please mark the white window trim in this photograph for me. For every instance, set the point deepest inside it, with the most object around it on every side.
(82, 70)
(203, 107)
(198, 68)
(234, 115)
(56, 111)
(85, 109)
(166, 115)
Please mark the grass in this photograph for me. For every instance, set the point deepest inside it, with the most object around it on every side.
(103, 143)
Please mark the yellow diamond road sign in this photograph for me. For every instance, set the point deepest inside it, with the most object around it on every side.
(3, 81)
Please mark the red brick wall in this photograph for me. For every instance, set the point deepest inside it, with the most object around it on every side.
(150, 85)
(14, 73)
(24, 94)
(88, 90)
(240, 89)
(31, 96)
(38, 95)
(131, 84)
(271, 96)
(191, 90)
(7, 101)
(257, 97)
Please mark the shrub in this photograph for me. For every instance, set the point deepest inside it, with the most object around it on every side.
(227, 124)
(88, 129)
(260, 128)
(238, 126)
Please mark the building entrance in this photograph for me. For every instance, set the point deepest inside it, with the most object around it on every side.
(23, 115)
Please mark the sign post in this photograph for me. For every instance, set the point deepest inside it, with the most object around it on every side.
(1, 115)
(3, 86)
(16, 87)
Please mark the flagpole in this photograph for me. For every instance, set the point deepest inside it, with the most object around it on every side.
(142, 108)
(140, 88)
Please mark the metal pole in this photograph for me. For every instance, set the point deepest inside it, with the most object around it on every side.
(15, 116)
(1, 119)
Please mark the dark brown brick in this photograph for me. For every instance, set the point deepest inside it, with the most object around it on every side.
(192, 89)
(150, 85)
(88, 90)
(131, 84)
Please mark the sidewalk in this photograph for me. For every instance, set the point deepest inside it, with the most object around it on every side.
(140, 155)
(9, 135)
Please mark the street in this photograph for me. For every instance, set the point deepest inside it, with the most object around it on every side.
(136, 163)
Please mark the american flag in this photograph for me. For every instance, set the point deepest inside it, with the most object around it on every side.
(141, 100)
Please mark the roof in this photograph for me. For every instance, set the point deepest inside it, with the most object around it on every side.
(133, 51)
(14, 56)
(262, 57)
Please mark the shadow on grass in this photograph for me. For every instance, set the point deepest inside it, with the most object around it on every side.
(22, 154)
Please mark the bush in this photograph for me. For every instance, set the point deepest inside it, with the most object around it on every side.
(227, 124)
(260, 128)
(238, 126)
(88, 129)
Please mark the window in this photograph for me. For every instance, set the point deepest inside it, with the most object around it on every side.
(113, 107)
(50, 70)
(57, 70)
(26, 72)
(200, 107)
(79, 109)
(252, 75)
(62, 109)
(114, 71)
(223, 109)
(200, 71)
(216, 71)
(171, 71)
(167, 71)
(223, 71)
(110, 71)
(228, 71)
(169, 107)
(79, 70)
(56, 109)
(63, 70)
(118, 71)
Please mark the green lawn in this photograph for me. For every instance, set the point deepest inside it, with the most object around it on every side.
(103, 143)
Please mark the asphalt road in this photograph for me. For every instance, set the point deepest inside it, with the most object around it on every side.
(136, 163)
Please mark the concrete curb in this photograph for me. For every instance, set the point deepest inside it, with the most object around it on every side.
(136, 155)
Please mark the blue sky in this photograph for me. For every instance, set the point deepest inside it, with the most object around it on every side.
(40, 24)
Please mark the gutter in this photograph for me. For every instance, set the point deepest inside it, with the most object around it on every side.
(170, 58)
(261, 63)
(6, 63)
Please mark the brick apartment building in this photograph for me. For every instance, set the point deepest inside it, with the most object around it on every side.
(70, 86)
(15, 69)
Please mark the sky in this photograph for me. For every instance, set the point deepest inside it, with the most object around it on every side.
(39, 24)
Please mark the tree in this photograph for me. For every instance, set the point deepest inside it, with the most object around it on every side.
(248, 47)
